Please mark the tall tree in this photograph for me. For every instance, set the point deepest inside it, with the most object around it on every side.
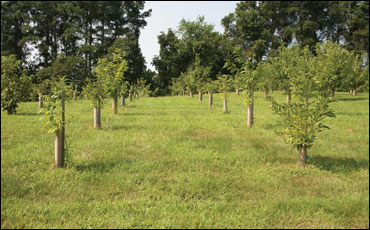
(16, 31)
(248, 29)
(357, 36)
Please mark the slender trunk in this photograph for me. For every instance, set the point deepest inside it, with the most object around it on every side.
(332, 92)
(200, 96)
(114, 105)
(63, 127)
(225, 103)
(97, 118)
(58, 149)
(40, 100)
(191, 94)
(210, 99)
(183, 93)
(250, 112)
(237, 91)
(122, 100)
(302, 156)
(265, 93)
(130, 96)
(74, 95)
(350, 91)
(288, 98)
(354, 92)
(250, 115)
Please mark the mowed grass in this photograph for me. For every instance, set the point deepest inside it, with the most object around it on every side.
(172, 162)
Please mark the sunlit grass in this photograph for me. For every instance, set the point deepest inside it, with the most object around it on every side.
(173, 162)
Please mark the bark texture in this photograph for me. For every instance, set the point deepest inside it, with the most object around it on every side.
(40, 101)
(302, 156)
(114, 105)
(97, 118)
(58, 149)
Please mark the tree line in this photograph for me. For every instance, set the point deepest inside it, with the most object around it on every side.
(71, 36)
(261, 26)
(66, 38)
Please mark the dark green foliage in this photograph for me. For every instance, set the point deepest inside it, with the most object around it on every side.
(74, 33)
(15, 84)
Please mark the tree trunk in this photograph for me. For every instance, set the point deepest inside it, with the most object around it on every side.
(250, 115)
(354, 92)
(332, 93)
(288, 98)
(40, 100)
(114, 105)
(97, 118)
(350, 91)
(225, 103)
(63, 127)
(200, 96)
(58, 149)
(130, 96)
(191, 94)
(302, 156)
(75, 95)
(237, 91)
(265, 93)
(122, 100)
(183, 93)
(250, 111)
(210, 99)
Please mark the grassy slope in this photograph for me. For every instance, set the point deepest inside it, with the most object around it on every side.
(171, 162)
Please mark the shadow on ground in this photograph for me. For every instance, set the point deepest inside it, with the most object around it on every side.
(102, 166)
(341, 164)
(352, 99)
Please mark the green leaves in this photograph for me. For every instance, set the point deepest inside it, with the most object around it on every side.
(15, 83)
(302, 117)
(109, 78)
(52, 113)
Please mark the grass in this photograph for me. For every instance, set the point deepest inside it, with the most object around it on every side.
(172, 162)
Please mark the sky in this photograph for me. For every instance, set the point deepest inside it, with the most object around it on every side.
(168, 14)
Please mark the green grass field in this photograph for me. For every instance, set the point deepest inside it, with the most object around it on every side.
(171, 162)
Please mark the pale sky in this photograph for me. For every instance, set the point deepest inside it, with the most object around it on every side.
(168, 14)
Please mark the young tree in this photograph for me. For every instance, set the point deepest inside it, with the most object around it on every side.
(302, 117)
(15, 83)
(265, 80)
(178, 85)
(238, 82)
(224, 84)
(211, 87)
(248, 73)
(142, 88)
(96, 91)
(124, 91)
(55, 115)
(358, 72)
(332, 61)
(282, 65)
(191, 81)
(113, 68)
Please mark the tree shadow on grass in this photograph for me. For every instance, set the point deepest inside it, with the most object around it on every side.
(27, 114)
(352, 99)
(133, 114)
(339, 164)
(102, 166)
(126, 127)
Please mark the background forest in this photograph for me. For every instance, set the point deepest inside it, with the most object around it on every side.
(66, 38)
